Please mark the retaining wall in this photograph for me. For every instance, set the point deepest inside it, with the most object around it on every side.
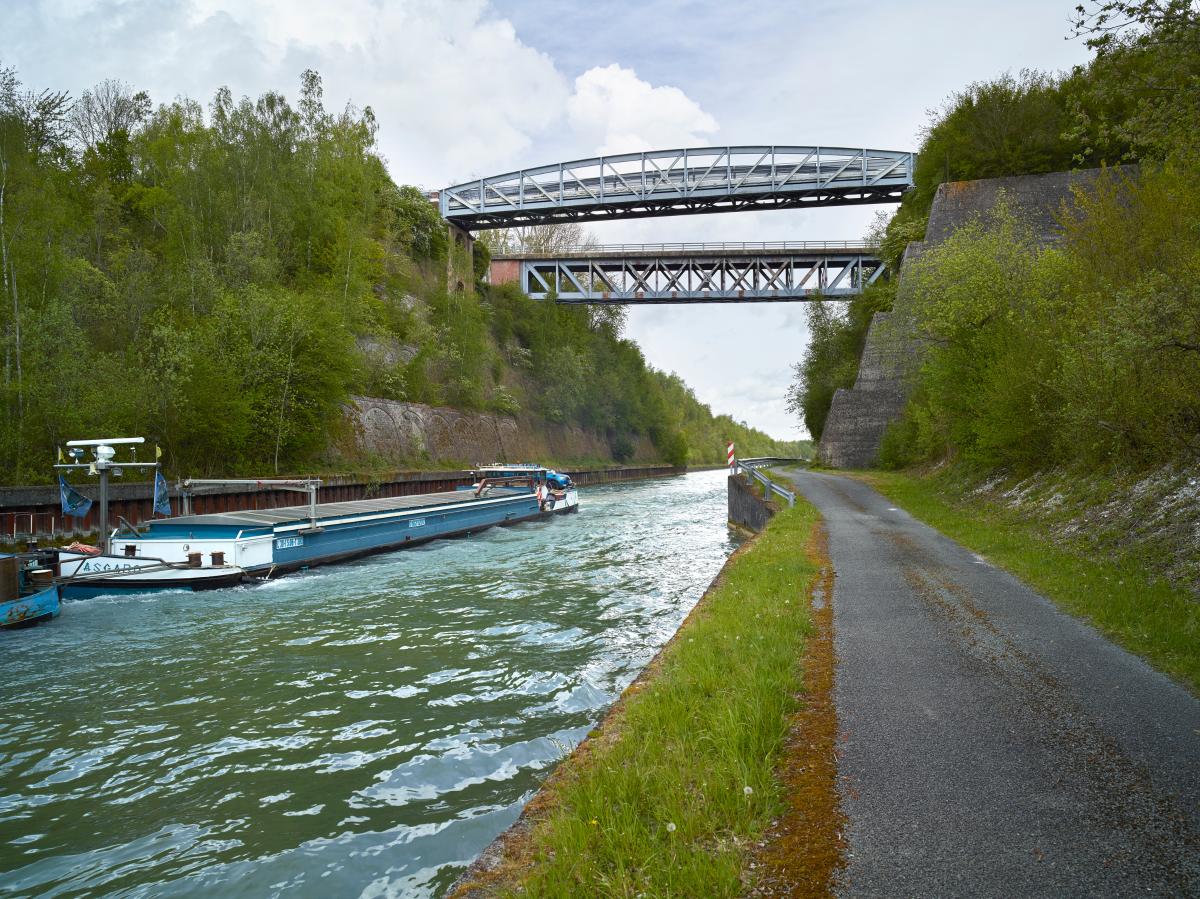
(746, 508)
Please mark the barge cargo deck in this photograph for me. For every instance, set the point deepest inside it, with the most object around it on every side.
(217, 549)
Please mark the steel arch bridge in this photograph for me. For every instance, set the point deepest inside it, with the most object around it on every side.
(646, 274)
(680, 182)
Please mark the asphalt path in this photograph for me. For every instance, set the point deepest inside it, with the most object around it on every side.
(990, 744)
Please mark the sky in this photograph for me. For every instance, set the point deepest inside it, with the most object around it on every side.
(468, 88)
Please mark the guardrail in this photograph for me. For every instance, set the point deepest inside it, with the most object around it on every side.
(650, 249)
(750, 467)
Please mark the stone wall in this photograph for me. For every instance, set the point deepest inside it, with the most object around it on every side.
(504, 271)
(746, 508)
(397, 432)
(858, 418)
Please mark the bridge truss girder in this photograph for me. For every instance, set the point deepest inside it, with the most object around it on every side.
(680, 182)
(638, 280)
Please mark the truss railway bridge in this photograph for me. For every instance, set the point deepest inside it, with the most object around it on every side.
(685, 182)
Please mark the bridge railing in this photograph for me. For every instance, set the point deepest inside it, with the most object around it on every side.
(697, 277)
(728, 247)
(750, 467)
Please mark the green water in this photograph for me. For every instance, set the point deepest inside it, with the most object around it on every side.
(359, 730)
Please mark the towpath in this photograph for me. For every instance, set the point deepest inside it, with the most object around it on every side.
(990, 744)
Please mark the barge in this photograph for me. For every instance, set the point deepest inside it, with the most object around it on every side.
(28, 594)
(197, 552)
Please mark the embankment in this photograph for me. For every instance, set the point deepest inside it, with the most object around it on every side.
(678, 788)
(396, 432)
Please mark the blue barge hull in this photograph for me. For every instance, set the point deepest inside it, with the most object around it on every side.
(345, 536)
(268, 542)
(41, 605)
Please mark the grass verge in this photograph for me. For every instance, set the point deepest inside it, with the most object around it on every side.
(1145, 614)
(672, 794)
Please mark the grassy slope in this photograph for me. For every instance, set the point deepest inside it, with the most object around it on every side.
(668, 797)
(1144, 614)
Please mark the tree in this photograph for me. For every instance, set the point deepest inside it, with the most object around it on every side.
(110, 108)
(539, 239)
(1142, 90)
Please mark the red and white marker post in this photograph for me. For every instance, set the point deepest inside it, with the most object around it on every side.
(729, 457)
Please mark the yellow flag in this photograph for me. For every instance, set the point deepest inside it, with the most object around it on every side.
(157, 452)
(61, 460)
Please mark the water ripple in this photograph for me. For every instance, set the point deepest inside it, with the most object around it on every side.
(363, 729)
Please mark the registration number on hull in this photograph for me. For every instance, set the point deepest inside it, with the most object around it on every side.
(288, 542)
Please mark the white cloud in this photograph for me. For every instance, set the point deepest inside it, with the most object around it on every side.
(456, 92)
(618, 112)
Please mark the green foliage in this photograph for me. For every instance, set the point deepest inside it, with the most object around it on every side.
(837, 332)
(1012, 125)
(1141, 94)
(198, 281)
(575, 369)
(1085, 353)
(224, 281)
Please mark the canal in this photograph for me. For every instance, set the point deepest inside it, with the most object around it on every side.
(358, 730)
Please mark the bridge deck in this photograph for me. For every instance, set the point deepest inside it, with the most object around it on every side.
(680, 182)
(661, 273)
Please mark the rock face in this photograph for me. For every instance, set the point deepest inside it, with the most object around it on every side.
(859, 417)
(397, 432)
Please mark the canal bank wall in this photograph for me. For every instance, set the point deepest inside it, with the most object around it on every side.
(35, 511)
(746, 508)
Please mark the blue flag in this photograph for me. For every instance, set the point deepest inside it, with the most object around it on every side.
(73, 502)
(162, 499)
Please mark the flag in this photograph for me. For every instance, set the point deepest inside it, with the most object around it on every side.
(162, 499)
(73, 502)
(157, 452)
(61, 460)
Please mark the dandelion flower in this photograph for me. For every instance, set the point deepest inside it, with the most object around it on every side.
(748, 790)
(594, 822)
(670, 827)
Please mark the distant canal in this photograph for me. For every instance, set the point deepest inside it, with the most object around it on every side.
(363, 729)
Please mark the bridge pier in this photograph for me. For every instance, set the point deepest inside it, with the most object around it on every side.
(504, 271)
(460, 259)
